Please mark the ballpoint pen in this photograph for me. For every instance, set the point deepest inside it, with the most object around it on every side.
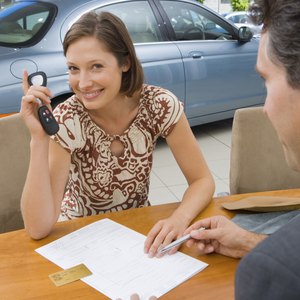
(177, 242)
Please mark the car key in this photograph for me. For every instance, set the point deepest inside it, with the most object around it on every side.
(45, 115)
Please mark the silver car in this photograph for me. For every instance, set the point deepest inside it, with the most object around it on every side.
(183, 46)
(242, 18)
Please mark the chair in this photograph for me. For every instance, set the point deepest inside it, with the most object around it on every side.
(14, 161)
(257, 160)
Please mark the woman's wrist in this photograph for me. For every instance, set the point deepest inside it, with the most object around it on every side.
(38, 141)
(182, 216)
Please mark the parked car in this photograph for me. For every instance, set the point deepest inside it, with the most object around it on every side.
(183, 46)
(242, 18)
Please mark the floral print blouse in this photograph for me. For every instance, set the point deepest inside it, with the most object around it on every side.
(99, 181)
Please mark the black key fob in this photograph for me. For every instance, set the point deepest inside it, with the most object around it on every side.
(45, 115)
(47, 120)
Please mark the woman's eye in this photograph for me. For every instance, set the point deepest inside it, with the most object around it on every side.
(97, 66)
(72, 68)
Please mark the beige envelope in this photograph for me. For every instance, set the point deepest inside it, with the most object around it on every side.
(264, 204)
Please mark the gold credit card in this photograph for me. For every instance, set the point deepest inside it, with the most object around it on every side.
(70, 275)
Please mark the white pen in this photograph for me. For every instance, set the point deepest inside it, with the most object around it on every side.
(177, 242)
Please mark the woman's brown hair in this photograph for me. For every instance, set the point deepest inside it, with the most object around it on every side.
(110, 30)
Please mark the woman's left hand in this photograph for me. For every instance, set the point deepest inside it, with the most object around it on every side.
(163, 233)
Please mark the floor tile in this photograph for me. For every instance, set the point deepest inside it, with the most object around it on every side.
(168, 184)
(163, 155)
(178, 190)
(161, 195)
(221, 187)
(220, 168)
(221, 131)
(170, 175)
(155, 181)
(213, 149)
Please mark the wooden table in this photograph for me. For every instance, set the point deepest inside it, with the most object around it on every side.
(24, 273)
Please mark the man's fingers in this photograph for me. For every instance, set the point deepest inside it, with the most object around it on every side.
(207, 234)
(206, 223)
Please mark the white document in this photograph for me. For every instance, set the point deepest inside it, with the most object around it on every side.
(115, 255)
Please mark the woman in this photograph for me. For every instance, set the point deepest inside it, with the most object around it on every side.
(101, 158)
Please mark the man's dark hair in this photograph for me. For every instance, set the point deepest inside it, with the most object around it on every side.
(281, 18)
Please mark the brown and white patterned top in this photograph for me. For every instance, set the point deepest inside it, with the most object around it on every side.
(99, 181)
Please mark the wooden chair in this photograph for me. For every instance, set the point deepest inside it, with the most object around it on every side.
(257, 160)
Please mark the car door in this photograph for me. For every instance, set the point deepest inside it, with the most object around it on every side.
(219, 70)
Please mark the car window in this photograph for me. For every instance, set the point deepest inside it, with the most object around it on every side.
(139, 20)
(240, 18)
(191, 22)
(22, 24)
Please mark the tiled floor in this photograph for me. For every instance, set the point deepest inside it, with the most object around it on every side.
(167, 181)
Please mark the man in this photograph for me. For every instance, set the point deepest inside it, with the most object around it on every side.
(272, 269)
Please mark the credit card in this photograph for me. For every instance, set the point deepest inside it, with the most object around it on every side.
(69, 275)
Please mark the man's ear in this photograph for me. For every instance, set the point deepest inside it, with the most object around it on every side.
(126, 64)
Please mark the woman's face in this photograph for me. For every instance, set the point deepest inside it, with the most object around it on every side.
(94, 73)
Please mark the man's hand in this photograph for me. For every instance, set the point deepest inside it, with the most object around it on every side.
(222, 236)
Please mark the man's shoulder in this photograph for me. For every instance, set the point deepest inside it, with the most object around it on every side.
(272, 269)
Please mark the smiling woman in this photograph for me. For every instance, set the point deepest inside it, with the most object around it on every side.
(101, 158)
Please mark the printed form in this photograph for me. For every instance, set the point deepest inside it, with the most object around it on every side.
(115, 255)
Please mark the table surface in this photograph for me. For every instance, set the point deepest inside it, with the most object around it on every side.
(24, 273)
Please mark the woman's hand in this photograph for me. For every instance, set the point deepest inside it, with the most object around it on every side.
(163, 233)
(30, 104)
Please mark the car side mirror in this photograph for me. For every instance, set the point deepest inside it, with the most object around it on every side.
(245, 34)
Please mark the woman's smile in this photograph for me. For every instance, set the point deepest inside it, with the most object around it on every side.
(92, 94)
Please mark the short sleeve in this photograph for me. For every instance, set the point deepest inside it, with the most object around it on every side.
(166, 110)
(69, 136)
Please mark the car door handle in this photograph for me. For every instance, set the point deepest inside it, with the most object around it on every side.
(195, 54)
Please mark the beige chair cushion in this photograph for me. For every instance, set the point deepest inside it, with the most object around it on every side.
(257, 160)
(14, 160)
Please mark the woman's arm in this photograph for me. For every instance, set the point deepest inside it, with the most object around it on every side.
(48, 168)
(44, 187)
(199, 193)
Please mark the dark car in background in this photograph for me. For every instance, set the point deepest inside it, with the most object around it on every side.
(183, 46)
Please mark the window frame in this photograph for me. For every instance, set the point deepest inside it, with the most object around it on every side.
(51, 8)
(205, 12)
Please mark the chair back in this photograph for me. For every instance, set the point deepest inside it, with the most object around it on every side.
(14, 161)
(257, 160)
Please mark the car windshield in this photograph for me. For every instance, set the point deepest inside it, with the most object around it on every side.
(23, 24)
